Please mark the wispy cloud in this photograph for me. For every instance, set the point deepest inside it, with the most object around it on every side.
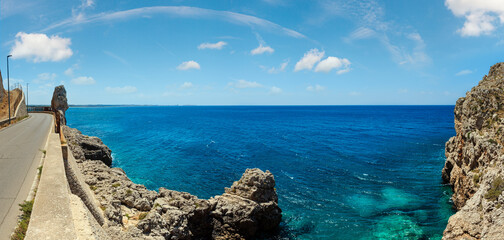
(178, 11)
(188, 66)
(279, 69)
(218, 45)
(83, 81)
(464, 72)
(44, 78)
(244, 84)
(316, 88)
(406, 46)
(121, 90)
(187, 85)
(114, 56)
(275, 90)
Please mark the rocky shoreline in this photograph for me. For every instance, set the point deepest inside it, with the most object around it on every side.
(474, 164)
(131, 211)
(125, 210)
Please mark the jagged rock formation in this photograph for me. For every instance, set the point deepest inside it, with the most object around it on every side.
(91, 148)
(249, 207)
(475, 161)
(59, 103)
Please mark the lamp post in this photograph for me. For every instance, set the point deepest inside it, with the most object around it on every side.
(27, 95)
(8, 86)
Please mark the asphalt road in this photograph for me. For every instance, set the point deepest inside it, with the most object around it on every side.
(20, 154)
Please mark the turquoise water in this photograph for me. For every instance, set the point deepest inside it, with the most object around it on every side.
(342, 172)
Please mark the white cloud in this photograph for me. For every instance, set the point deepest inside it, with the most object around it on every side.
(244, 84)
(279, 69)
(187, 85)
(218, 45)
(121, 90)
(405, 47)
(464, 72)
(45, 77)
(262, 49)
(362, 33)
(188, 65)
(83, 81)
(275, 90)
(309, 59)
(38, 47)
(87, 3)
(316, 88)
(70, 71)
(182, 12)
(481, 15)
(331, 63)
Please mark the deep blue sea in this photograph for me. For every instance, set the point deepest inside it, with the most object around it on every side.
(342, 172)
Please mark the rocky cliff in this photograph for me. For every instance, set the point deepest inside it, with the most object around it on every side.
(247, 209)
(475, 161)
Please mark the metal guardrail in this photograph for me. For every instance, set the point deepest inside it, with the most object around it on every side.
(39, 109)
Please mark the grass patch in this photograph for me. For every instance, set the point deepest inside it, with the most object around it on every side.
(26, 209)
(43, 151)
(116, 185)
(495, 191)
(103, 208)
(93, 187)
(128, 192)
(142, 215)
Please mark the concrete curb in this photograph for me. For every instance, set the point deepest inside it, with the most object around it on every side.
(51, 215)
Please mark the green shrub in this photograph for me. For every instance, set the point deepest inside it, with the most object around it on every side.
(495, 191)
(142, 215)
(116, 185)
(26, 209)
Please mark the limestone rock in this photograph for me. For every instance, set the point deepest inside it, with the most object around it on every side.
(59, 103)
(474, 161)
(249, 206)
(84, 147)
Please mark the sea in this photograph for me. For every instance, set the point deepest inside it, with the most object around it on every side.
(342, 172)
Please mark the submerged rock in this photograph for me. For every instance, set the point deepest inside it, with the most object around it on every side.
(474, 164)
(247, 208)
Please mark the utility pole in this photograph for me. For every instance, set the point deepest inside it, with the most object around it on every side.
(8, 86)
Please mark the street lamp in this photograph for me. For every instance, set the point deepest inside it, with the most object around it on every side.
(8, 86)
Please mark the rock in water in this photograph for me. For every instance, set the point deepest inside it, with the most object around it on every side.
(59, 102)
(474, 164)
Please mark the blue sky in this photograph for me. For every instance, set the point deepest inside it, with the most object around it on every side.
(270, 52)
